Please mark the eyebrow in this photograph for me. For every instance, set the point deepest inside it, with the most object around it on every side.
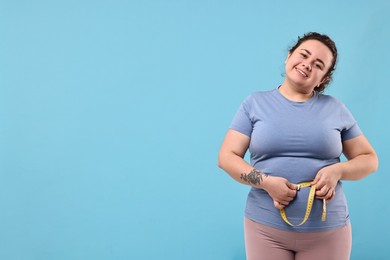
(308, 52)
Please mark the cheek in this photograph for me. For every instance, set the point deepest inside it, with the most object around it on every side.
(291, 63)
(319, 76)
(321, 73)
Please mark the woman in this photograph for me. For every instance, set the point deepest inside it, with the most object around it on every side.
(296, 134)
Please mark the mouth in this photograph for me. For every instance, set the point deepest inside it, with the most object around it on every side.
(302, 73)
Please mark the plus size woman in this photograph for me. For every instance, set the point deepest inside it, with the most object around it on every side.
(296, 134)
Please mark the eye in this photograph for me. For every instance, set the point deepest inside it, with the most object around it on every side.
(304, 55)
(318, 65)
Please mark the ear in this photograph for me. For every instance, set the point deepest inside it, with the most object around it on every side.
(325, 79)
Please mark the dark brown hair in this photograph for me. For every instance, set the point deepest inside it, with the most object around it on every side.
(328, 42)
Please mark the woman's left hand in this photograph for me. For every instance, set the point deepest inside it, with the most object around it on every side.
(326, 181)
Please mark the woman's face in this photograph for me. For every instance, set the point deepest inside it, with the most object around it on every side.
(307, 65)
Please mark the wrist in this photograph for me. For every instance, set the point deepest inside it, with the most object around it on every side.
(340, 170)
(254, 178)
(265, 183)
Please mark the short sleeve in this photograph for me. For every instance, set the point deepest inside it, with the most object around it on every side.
(351, 129)
(241, 121)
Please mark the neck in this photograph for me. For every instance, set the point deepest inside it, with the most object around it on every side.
(297, 95)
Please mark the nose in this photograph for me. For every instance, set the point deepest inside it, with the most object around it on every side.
(307, 66)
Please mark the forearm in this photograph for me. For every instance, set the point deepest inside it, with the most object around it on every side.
(358, 167)
(240, 170)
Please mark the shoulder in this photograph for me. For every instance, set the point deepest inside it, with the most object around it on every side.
(333, 104)
(260, 95)
(328, 99)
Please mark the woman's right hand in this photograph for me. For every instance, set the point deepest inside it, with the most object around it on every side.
(280, 189)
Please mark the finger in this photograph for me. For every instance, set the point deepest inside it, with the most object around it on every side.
(285, 201)
(292, 192)
(322, 192)
(292, 186)
(316, 179)
(328, 196)
(331, 196)
(278, 205)
(291, 195)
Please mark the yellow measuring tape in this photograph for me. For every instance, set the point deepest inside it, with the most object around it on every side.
(309, 205)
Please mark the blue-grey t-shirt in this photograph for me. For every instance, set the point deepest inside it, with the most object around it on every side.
(295, 140)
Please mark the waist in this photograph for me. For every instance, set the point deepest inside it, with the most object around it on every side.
(260, 207)
(294, 169)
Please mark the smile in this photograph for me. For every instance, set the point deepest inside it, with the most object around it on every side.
(303, 73)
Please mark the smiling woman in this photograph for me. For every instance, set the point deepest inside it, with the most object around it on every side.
(296, 135)
(322, 40)
(306, 67)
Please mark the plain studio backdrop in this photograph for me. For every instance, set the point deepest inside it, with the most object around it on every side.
(112, 114)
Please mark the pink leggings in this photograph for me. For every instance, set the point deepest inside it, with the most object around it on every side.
(266, 243)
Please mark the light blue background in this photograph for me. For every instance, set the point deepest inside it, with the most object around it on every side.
(112, 114)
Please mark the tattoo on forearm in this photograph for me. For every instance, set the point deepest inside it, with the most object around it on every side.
(254, 177)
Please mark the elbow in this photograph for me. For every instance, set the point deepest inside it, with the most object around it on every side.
(375, 163)
(220, 162)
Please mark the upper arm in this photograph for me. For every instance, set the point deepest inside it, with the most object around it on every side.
(235, 142)
(356, 146)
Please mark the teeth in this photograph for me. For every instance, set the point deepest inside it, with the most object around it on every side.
(303, 73)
